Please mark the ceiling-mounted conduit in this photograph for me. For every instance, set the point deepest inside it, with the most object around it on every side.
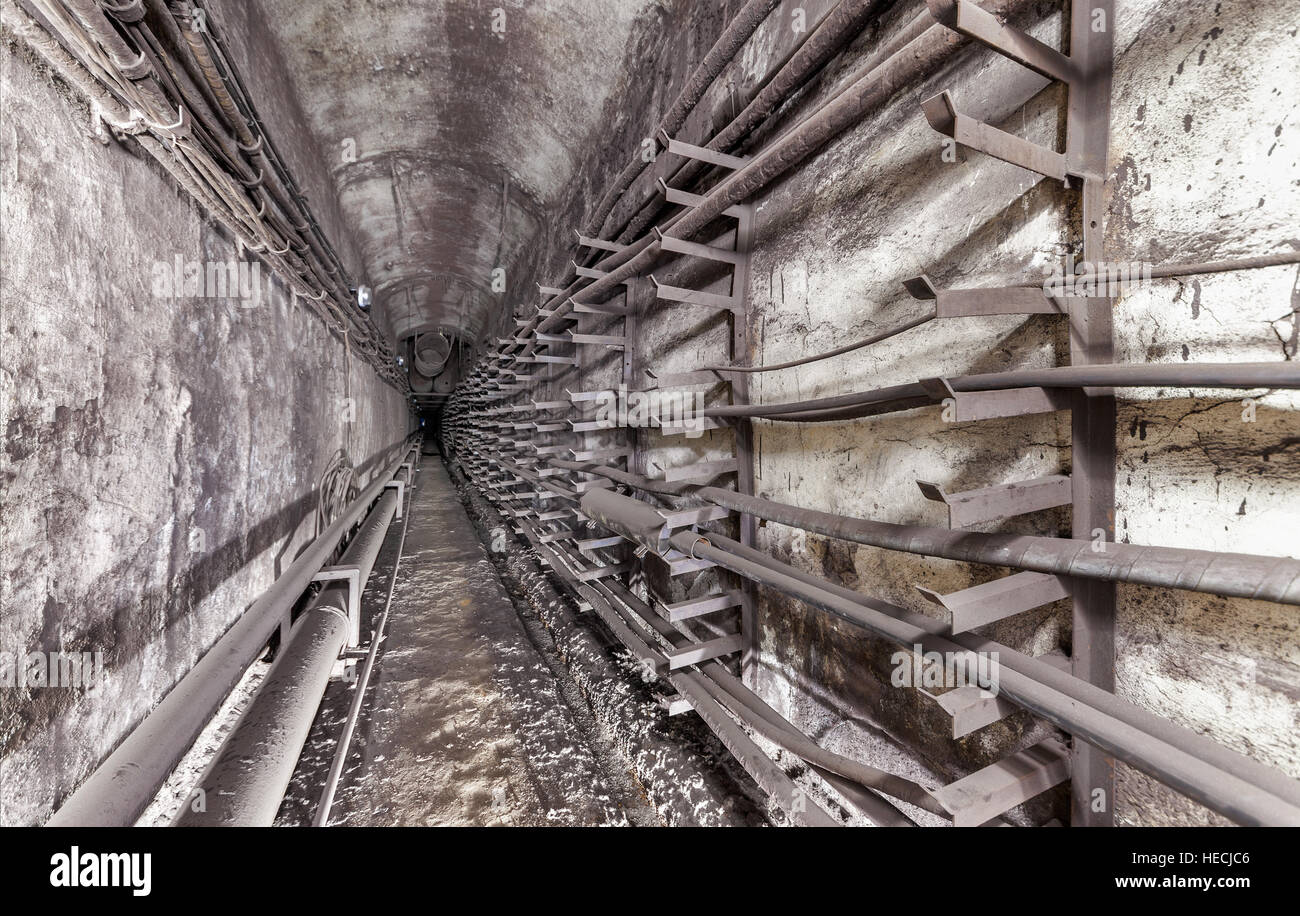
(169, 108)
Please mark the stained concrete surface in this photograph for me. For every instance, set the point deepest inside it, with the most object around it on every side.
(162, 453)
(485, 113)
(469, 720)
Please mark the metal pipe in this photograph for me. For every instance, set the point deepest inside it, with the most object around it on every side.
(1233, 575)
(359, 697)
(837, 28)
(1158, 375)
(245, 783)
(1230, 783)
(121, 787)
(922, 46)
(1204, 782)
(873, 87)
(1065, 683)
(630, 631)
(738, 31)
(847, 348)
(744, 703)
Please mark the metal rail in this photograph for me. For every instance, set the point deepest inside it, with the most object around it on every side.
(121, 787)
(244, 785)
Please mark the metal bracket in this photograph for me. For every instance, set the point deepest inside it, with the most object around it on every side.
(687, 199)
(676, 705)
(352, 576)
(697, 607)
(983, 795)
(972, 507)
(969, 303)
(968, 406)
(700, 153)
(705, 651)
(695, 297)
(999, 599)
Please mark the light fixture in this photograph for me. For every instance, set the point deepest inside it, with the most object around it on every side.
(363, 297)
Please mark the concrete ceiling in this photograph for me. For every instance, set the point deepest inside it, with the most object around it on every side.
(463, 137)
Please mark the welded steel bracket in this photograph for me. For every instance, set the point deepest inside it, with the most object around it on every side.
(983, 795)
(686, 518)
(696, 297)
(704, 651)
(700, 153)
(1087, 73)
(675, 705)
(687, 199)
(972, 507)
(969, 303)
(969, 406)
(352, 576)
(999, 599)
(697, 607)
(972, 708)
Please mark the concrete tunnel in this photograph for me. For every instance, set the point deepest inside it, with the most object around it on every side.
(650, 413)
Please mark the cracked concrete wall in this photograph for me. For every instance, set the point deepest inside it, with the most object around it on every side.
(162, 452)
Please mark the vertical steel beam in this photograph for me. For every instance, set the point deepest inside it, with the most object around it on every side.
(1094, 415)
(741, 353)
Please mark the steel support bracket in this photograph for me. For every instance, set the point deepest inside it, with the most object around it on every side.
(983, 795)
(352, 576)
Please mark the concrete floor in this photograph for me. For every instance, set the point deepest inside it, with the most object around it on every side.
(470, 719)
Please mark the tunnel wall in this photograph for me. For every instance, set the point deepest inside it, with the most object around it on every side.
(162, 451)
(1203, 166)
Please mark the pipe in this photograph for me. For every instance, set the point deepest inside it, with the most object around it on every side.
(1232, 784)
(920, 47)
(1159, 375)
(817, 357)
(738, 31)
(359, 697)
(837, 28)
(1204, 782)
(1232, 575)
(873, 87)
(246, 781)
(770, 777)
(623, 516)
(1067, 684)
(121, 787)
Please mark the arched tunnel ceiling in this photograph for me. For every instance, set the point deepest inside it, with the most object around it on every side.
(450, 139)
